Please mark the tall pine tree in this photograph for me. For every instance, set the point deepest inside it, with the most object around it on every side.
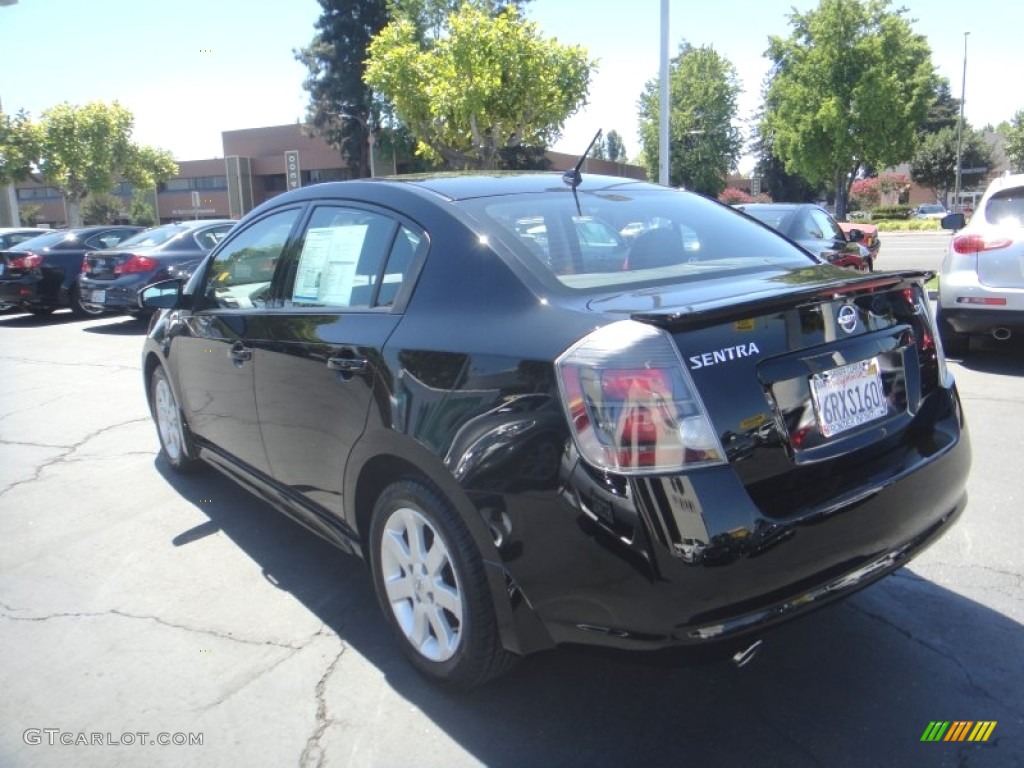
(341, 106)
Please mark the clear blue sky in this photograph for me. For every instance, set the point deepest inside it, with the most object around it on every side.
(191, 69)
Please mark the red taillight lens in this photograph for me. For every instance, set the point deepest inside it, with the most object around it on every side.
(28, 261)
(85, 264)
(135, 263)
(631, 403)
(976, 243)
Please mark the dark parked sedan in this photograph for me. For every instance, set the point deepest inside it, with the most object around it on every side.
(812, 227)
(111, 278)
(41, 274)
(11, 236)
(532, 444)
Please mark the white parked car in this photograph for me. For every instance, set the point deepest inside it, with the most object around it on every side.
(981, 283)
(929, 211)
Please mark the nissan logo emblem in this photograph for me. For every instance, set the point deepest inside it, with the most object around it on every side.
(847, 318)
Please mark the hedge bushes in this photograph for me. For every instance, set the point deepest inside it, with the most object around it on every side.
(891, 212)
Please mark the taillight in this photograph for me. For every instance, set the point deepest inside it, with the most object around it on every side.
(135, 263)
(977, 243)
(631, 403)
(85, 264)
(28, 261)
(929, 344)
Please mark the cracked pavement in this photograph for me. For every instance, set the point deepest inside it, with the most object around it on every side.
(133, 600)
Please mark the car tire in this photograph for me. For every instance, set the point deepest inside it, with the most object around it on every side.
(954, 343)
(175, 443)
(430, 581)
(78, 309)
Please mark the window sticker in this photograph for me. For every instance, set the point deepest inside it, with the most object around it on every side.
(327, 265)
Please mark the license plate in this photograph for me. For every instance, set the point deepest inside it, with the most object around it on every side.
(848, 396)
(98, 297)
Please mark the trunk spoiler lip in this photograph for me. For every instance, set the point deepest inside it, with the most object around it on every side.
(723, 310)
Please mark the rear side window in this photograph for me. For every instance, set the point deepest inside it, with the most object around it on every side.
(350, 258)
(109, 238)
(629, 233)
(1006, 208)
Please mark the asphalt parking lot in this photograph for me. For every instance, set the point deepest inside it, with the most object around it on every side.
(134, 601)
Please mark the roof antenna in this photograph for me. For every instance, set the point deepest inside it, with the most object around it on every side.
(573, 178)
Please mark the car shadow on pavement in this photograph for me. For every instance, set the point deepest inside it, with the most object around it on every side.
(129, 326)
(989, 356)
(854, 684)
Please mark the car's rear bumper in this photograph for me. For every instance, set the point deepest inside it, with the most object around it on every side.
(111, 294)
(983, 320)
(688, 560)
(23, 292)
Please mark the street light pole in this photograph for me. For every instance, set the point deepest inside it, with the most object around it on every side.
(960, 132)
(663, 159)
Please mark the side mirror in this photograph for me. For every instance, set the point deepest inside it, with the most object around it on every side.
(953, 221)
(165, 294)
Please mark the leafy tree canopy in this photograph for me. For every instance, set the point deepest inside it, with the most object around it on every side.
(341, 106)
(1013, 141)
(703, 142)
(850, 86)
(934, 163)
(81, 150)
(491, 83)
(614, 147)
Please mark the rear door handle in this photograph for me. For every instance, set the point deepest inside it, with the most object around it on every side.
(347, 364)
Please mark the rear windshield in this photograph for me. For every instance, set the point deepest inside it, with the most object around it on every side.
(629, 234)
(1006, 208)
(48, 240)
(154, 236)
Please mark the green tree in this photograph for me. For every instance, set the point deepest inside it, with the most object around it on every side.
(850, 87)
(614, 147)
(703, 142)
(1013, 141)
(934, 162)
(491, 83)
(141, 212)
(30, 213)
(944, 111)
(19, 146)
(597, 151)
(342, 108)
(101, 208)
(82, 150)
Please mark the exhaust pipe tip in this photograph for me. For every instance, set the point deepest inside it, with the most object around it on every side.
(744, 657)
(1001, 334)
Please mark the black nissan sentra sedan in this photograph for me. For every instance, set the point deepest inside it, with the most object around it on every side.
(531, 444)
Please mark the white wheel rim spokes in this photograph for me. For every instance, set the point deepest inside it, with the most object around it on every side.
(167, 420)
(421, 584)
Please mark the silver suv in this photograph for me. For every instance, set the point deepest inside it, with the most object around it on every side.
(981, 283)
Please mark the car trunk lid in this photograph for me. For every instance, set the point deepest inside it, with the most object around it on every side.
(800, 383)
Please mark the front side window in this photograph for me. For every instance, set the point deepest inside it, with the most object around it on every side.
(350, 258)
(240, 275)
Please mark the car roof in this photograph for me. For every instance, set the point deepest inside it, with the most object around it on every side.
(1005, 181)
(465, 185)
